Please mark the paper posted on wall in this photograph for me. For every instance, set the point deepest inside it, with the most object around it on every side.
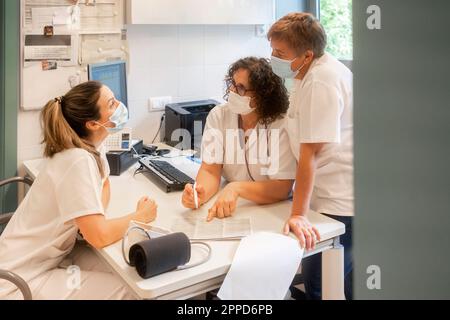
(62, 48)
(67, 17)
(49, 65)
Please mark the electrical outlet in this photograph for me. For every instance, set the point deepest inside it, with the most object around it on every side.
(159, 103)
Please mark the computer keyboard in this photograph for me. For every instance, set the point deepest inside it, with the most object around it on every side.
(170, 177)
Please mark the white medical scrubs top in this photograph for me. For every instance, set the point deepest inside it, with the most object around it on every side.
(321, 111)
(267, 148)
(43, 231)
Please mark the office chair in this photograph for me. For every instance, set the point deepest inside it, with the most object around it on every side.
(4, 219)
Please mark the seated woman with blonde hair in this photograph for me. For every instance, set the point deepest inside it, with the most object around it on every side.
(70, 196)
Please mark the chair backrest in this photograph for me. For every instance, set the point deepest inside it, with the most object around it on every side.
(5, 217)
(18, 282)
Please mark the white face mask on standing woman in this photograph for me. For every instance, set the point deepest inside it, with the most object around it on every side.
(282, 68)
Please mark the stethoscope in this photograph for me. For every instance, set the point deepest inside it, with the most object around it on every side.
(243, 145)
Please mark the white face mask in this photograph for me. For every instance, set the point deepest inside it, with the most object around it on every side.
(119, 118)
(239, 104)
(282, 68)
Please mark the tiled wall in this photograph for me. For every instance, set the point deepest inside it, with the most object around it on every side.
(186, 62)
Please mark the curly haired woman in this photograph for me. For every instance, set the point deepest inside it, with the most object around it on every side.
(245, 142)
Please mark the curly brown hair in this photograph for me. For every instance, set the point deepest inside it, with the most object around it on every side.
(271, 96)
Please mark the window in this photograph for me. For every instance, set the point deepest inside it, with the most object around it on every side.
(336, 17)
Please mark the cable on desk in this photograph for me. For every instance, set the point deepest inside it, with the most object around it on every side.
(160, 127)
(139, 170)
(205, 246)
(139, 156)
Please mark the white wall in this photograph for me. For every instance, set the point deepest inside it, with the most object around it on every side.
(186, 62)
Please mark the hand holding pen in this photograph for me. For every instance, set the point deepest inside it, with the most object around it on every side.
(193, 196)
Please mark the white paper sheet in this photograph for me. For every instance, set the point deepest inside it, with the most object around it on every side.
(42, 17)
(62, 16)
(95, 48)
(62, 48)
(38, 53)
(200, 229)
(263, 268)
(48, 16)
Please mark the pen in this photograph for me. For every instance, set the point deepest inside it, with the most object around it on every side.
(195, 195)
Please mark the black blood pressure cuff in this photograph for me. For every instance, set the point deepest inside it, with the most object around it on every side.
(158, 255)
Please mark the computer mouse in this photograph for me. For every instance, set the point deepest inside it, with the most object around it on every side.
(162, 152)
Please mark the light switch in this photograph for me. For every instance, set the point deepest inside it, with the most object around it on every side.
(159, 103)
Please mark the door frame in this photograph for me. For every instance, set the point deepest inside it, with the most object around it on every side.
(9, 97)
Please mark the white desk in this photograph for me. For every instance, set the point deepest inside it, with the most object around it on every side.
(126, 190)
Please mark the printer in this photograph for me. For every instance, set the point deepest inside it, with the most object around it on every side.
(185, 123)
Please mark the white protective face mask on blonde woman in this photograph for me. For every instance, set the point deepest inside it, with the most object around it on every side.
(119, 118)
(239, 104)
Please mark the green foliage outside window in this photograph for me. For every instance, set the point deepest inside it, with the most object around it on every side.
(336, 17)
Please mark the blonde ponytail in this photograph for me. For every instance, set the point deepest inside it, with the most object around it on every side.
(59, 135)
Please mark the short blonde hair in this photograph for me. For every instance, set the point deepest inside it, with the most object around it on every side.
(302, 31)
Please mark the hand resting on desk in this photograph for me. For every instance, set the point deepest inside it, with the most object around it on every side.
(100, 232)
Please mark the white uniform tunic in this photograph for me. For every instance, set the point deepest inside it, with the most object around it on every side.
(42, 232)
(321, 111)
(267, 150)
